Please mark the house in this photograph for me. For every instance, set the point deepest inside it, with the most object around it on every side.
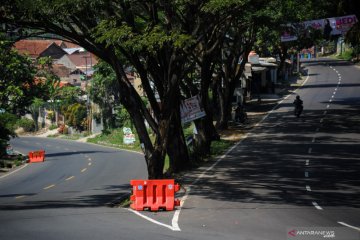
(79, 60)
(62, 72)
(39, 48)
(261, 74)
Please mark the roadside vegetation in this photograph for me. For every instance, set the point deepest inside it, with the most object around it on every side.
(178, 49)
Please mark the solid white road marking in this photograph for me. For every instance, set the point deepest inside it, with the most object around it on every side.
(154, 221)
(48, 187)
(347, 225)
(83, 170)
(8, 174)
(317, 206)
(308, 188)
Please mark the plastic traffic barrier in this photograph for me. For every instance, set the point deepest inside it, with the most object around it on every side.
(154, 194)
(37, 156)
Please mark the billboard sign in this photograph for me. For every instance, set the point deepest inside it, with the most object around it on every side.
(330, 26)
(190, 109)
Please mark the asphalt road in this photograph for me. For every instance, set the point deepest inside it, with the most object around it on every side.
(288, 174)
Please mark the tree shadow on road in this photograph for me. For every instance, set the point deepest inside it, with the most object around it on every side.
(99, 197)
(277, 161)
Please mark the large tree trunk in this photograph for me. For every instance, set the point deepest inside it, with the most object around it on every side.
(177, 149)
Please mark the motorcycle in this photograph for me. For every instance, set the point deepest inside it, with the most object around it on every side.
(298, 110)
(240, 115)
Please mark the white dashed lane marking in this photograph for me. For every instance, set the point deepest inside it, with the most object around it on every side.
(317, 206)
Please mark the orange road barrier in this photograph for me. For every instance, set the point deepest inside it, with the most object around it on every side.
(154, 194)
(37, 156)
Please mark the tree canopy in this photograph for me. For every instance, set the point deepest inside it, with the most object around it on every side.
(176, 47)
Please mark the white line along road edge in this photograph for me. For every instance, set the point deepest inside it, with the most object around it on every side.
(174, 223)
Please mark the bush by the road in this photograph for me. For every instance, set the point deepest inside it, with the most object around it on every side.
(27, 124)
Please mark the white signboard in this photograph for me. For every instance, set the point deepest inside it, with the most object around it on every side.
(191, 109)
(129, 137)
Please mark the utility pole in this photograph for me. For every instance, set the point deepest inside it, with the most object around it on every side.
(88, 107)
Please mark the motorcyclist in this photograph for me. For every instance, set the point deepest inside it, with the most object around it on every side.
(298, 106)
(240, 114)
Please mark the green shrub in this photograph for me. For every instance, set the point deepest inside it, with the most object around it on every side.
(52, 127)
(27, 124)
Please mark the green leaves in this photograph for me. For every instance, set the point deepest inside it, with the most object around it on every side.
(16, 79)
(135, 40)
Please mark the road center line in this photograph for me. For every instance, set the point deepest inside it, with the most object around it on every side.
(306, 174)
(328, 106)
(19, 197)
(347, 225)
(69, 178)
(89, 163)
(317, 206)
(48, 187)
(313, 140)
(83, 170)
(308, 188)
(307, 162)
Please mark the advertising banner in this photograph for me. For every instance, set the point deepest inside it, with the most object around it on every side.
(190, 109)
(329, 26)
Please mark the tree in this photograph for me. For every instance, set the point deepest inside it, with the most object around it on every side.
(158, 39)
(104, 91)
(17, 86)
(7, 123)
(35, 111)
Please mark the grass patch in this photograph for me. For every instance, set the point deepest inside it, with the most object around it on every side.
(114, 138)
(220, 147)
(346, 55)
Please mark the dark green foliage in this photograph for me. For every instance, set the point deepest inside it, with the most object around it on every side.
(76, 116)
(17, 86)
(7, 127)
(27, 124)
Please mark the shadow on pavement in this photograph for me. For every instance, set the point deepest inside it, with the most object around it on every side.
(106, 195)
(269, 166)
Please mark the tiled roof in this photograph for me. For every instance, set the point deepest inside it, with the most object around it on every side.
(60, 70)
(66, 44)
(82, 59)
(33, 47)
